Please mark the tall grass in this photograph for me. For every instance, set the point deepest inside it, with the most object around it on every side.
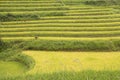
(71, 45)
(102, 2)
(85, 75)
(24, 16)
(14, 17)
(2, 45)
(26, 60)
(11, 52)
(3, 9)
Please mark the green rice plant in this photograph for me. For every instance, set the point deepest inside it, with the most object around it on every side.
(117, 44)
(8, 54)
(52, 27)
(78, 29)
(12, 17)
(90, 13)
(71, 45)
(11, 52)
(26, 60)
(23, 2)
(84, 75)
(61, 34)
(23, 17)
(3, 9)
(110, 16)
(63, 21)
(111, 24)
(29, 4)
(102, 2)
(2, 45)
(90, 10)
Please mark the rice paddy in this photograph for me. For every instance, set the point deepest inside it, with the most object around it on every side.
(51, 61)
(88, 21)
(73, 38)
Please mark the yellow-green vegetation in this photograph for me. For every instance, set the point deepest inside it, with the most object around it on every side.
(71, 65)
(51, 61)
(12, 61)
(56, 26)
(11, 68)
(69, 45)
(46, 18)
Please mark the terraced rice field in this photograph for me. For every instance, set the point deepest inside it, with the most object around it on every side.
(78, 22)
(53, 20)
(51, 61)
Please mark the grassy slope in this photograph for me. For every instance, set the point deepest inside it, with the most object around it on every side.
(11, 68)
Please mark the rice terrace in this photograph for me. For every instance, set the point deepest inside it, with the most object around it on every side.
(59, 39)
